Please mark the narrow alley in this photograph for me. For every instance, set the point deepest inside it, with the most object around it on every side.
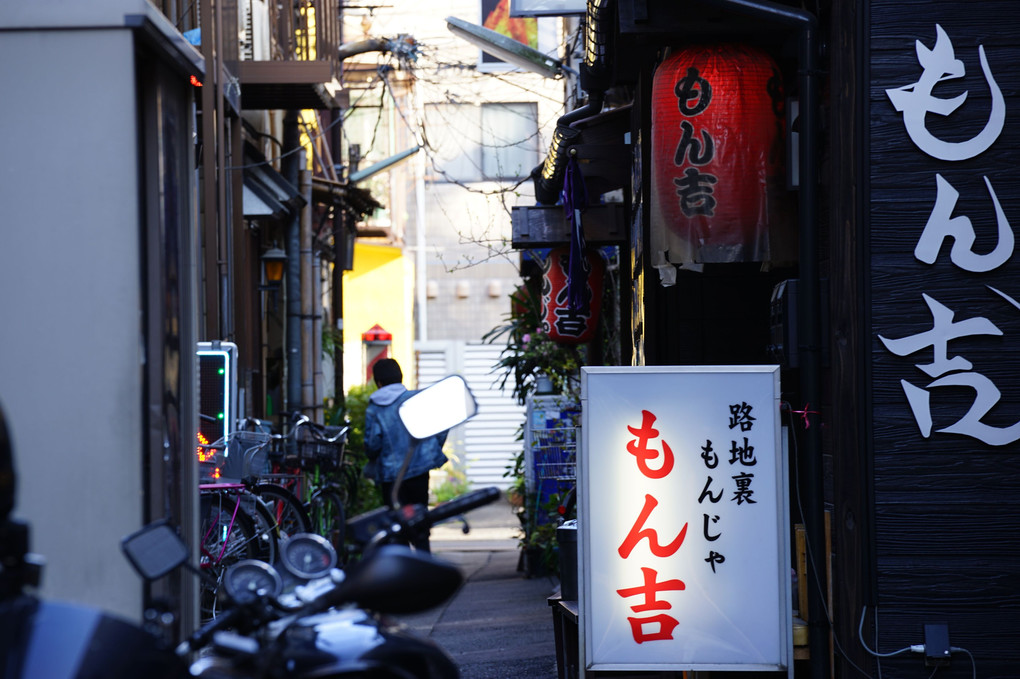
(499, 625)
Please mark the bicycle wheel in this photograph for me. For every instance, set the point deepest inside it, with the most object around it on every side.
(265, 525)
(326, 510)
(350, 482)
(228, 536)
(287, 511)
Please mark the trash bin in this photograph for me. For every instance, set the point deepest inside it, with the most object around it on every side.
(566, 536)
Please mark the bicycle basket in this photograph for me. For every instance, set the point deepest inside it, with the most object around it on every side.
(314, 448)
(247, 455)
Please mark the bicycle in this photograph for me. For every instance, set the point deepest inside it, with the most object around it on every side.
(319, 454)
(236, 522)
(280, 488)
(307, 484)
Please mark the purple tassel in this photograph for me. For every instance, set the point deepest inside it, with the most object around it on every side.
(575, 200)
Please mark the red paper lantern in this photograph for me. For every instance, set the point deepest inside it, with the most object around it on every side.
(559, 321)
(717, 152)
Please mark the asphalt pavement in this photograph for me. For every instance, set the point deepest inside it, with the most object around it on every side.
(499, 625)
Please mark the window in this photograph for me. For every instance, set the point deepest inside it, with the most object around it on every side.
(369, 124)
(486, 142)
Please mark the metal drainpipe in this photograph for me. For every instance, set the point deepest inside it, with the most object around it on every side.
(308, 355)
(339, 257)
(291, 165)
(595, 78)
(809, 331)
(318, 376)
(807, 311)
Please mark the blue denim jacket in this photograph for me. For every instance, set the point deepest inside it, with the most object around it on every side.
(386, 439)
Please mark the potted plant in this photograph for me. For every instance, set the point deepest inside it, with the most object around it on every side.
(541, 551)
(517, 493)
(539, 548)
(531, 357)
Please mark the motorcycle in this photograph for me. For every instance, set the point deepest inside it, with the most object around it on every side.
(310, 620)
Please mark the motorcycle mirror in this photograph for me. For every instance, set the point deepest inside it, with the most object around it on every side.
(155, 550)
(438, 407)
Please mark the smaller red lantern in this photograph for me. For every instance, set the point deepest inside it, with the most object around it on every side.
(562, 323)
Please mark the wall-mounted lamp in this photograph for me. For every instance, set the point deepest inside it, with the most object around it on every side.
(350, 236)
(273, 260)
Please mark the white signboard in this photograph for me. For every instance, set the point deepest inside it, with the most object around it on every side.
(684, 520)
(535, 8)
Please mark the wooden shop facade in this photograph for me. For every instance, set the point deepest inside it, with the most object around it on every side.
(829, 186)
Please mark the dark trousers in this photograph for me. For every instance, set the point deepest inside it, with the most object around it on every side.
(413, 491)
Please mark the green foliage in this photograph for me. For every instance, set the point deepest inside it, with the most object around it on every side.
(353, 410)
(529, 354)
(537, 539)
(544, 545)
(454, 481)
(454, 485)
(332, 342)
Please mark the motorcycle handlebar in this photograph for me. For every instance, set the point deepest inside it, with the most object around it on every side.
(382, 525)
(409, 520)
(202, 635)
(464, 503)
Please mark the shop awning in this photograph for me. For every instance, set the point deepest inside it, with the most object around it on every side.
(267, 193)
(358, 201)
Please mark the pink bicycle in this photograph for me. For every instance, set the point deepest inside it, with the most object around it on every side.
(241, 518)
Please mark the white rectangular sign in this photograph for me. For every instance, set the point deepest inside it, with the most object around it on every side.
(535, 8)
(684, 520)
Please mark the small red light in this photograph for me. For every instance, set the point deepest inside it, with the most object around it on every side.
(204, 454)
(195, 81)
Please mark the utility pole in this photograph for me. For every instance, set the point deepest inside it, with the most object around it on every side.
(420, 260)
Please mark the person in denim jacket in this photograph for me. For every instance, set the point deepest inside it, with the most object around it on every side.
(387, 442)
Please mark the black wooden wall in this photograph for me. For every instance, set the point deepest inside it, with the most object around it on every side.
(946, 531)
(925, 527)
(845, 182)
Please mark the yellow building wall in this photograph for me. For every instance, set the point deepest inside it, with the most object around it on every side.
(378, 291)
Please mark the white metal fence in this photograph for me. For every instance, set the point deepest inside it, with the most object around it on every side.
(488, 443)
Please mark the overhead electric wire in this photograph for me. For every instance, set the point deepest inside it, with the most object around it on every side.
(301, 146)
(497, 247)
(419, 131)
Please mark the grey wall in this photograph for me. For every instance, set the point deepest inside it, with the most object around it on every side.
(467, 255)
(70, 345)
